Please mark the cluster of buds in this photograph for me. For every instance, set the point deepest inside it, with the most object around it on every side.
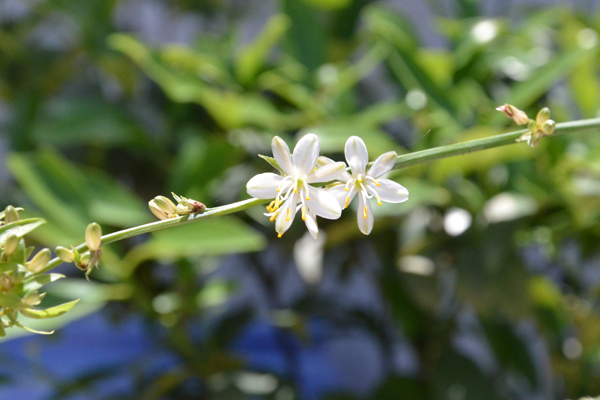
(20, 279)
(163, 208)
(539, 127)
(86, 261)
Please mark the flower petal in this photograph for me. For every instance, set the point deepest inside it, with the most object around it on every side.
(323, 203)
(306, 154)
(339, 193)
(356, 155)
(264, 186)
(344, 176)
(390, 191)
(286, 215)
(327, 173)
(383, 164)
(281, 152)
(364, 217)
(311, 224)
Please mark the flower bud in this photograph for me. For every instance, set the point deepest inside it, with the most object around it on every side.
(514, 113)
(165, 205)
(93, 236)
(11, 214)
(33, 299)
(39, 262)
(65, 254)
(533, 127)
(10, 244)
(84, 261)
(5, 283)
(542, 116)
(549, 127)
(158, 213)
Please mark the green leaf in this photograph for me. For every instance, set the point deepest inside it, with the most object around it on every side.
(210, 237)
(12, 301)
(272, 161)
(19, 228)
(36, 282)
(49, 312)
(251, 58)
(9, 266)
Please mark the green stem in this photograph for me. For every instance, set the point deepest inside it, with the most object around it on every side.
(405, 160)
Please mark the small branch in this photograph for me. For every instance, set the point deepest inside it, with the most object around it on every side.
(424, 156)
(405, 160)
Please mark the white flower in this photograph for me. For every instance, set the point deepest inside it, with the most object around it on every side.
(292, 191)
(366, 183)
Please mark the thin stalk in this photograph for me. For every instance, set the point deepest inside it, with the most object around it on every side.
(405, 160)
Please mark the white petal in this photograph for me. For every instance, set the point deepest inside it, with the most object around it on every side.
(390, 191)
(326, 173)
(383, 164)
(284, 220)
(344, 176)
(356, 155)
(306, 154)
(364, 224)
(339, 193)
(322, 160)
(323, 203)
(311, 224)
(264, 186)
(281, 152)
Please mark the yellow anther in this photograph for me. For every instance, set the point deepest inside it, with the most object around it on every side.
(287, 217)
(346, 189)
(347, 202)
(359, 179)
(375, 182)
(307, 198)
(378, 200)
(274, 216)
(280, 235)
(365, 211)
(303, 213)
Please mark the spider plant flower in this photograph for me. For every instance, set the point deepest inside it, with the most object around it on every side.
(367, 183)
(292, 191)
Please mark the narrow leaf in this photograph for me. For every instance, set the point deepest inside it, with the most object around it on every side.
(49, 312)
(19, 228)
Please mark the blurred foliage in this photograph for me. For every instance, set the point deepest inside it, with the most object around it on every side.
(491, 270)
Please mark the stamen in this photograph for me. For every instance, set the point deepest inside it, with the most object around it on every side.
(287, 217)
(306, 188)
(274, 216)
(303, 213)
(375, 182)
(378, 200)
(347, 185)
(279, 235)
(347, 202)
(365, 211)
(359, 178)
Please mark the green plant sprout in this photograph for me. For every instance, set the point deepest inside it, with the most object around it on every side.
(336, 184)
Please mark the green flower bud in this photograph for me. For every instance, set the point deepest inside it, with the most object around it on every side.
(93, 236)
(533, 127)
(84, 261)
(39, 262)
(549, 127)
(5, 283)
(10, 244)
(158, 213)
(165, 205)
(543, 116)
(32, 299)
(65, 254)
(11, 214)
